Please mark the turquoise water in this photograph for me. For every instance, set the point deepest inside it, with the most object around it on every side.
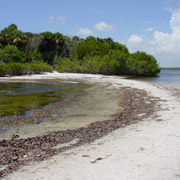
(170, 77)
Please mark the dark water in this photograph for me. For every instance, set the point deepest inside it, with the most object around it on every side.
(170, 77)
(16, 98)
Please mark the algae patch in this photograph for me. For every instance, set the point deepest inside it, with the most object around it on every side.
(18, 98)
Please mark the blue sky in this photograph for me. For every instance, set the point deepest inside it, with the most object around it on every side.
(146, 25)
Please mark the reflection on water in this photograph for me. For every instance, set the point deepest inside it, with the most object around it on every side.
(169, 77)
(16, 98)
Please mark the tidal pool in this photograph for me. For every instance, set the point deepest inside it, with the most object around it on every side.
(72, 106)
(17, 98)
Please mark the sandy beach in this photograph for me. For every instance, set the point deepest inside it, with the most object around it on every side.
(147, 150)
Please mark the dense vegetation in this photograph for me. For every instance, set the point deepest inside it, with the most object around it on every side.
(28, 53)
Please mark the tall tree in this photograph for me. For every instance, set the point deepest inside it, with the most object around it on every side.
(52, 45)
(32, 47)
(11, 35)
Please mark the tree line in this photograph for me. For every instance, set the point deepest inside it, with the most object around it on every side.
(30, 53)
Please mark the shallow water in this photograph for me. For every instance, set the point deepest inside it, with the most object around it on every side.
(17, 98)
(170, 77)
(97, 102)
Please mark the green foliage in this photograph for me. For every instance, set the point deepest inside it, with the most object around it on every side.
(17, 69)
(91, 47)
(105, 56)
(52, 45)
(31, 49)
(28, 53)
(11, 54)
(11, 35)
(114, 63)
(142, 64)
(36, 56)
(69, 45)
(3, 70)
(92, 65)
(68, 65)
(48, 47)
(37, 68)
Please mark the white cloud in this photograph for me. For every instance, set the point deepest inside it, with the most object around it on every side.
(175, 21)
(169, 41)
(61, 18)
(85, 32)
(134, 39)
(170, 9)
(164, 46)
(150, 29)
(160, 41)
(53, 19)
(147, 22)
(102, 26)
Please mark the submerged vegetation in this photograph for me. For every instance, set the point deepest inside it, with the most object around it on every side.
(17, 98)
(28, 53)
(17, 105)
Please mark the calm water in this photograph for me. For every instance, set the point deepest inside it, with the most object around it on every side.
(170, 77)
(18, 98)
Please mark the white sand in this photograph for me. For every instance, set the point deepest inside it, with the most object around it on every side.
(148, 150)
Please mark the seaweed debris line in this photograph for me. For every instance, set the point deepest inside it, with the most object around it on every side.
(140, 142)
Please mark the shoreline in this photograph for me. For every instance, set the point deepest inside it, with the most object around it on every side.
(111, 155)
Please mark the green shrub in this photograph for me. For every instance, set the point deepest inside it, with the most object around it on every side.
(40, 67)
(11, 54)
(68, 65)
(142, 64)
(91, 65)
(37, 68)
(15, 69)
(3, 70)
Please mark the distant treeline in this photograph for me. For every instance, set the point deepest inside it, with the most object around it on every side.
(175, 68)
(29, 53)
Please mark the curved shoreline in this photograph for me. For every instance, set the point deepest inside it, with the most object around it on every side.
(134, 147)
